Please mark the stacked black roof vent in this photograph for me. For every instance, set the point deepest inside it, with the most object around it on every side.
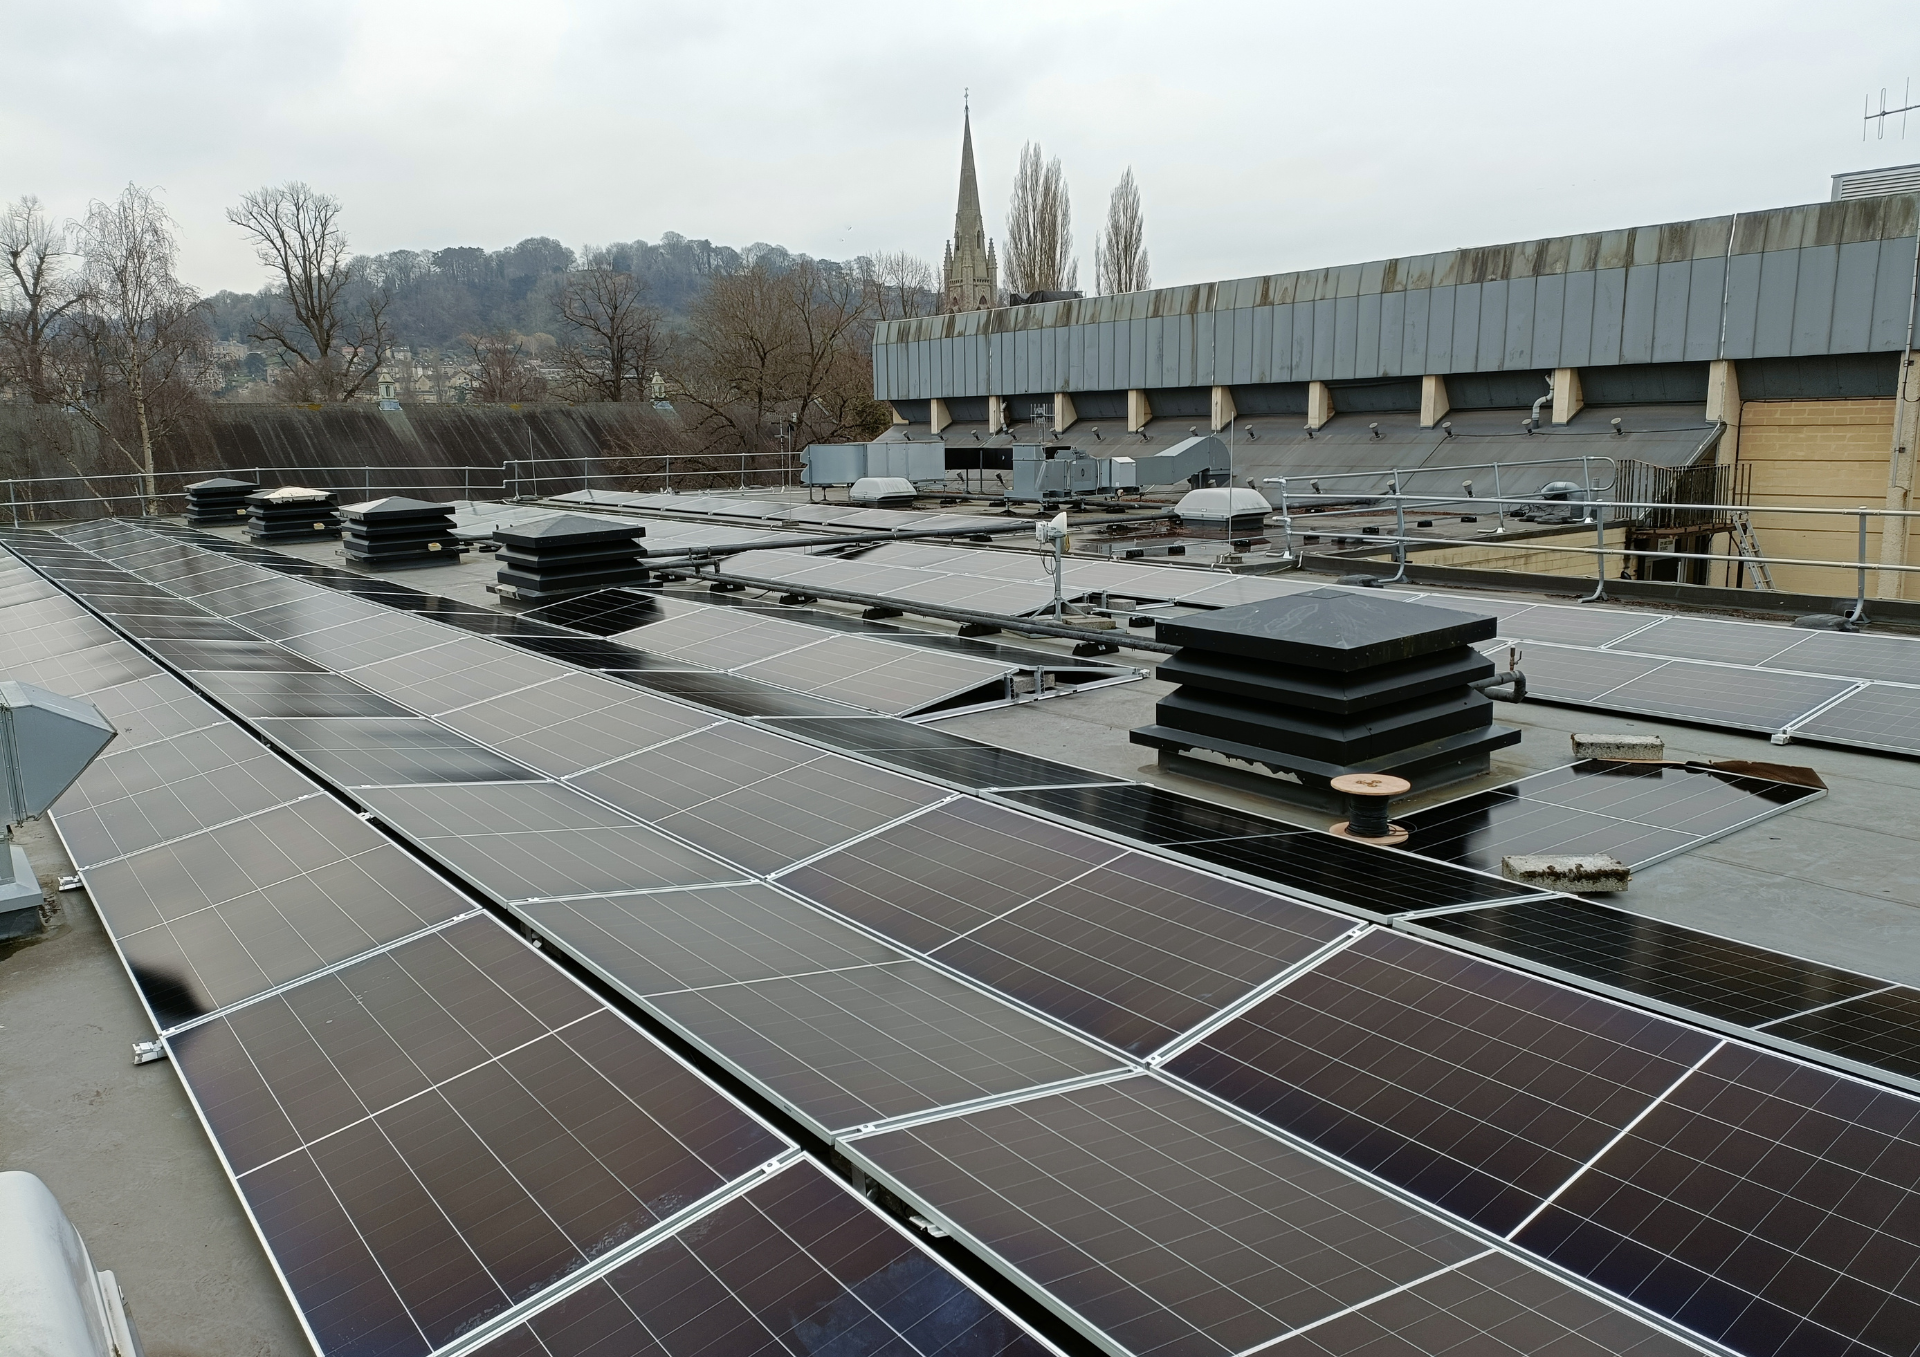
(293, 511)
(218, 503)
(1288, 694)
(400, 531)
(568, 554)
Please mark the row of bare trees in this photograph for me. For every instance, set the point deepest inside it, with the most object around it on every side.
(1039, 254)
(98, 325)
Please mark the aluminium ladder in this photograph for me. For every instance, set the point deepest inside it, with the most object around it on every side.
(1748, 548)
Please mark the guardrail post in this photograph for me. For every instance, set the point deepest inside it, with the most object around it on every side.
(1859, 612)
(1399, 532)
(13, 502)
(1599, 593)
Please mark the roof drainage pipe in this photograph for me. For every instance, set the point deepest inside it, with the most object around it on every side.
(1534, 418)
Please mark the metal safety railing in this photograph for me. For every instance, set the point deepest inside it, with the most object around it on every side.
(1596, 514)
(120, 493)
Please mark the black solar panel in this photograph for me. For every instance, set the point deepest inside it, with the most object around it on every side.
(432, 1135)
(353, 644)
(210, 920)
(926, 749)
(150, 709)
(1492, 1306)
(1879, 1030)
(796, 1266)
(715, 935)
(755, 798)
(1377, 880)
(948, 871)
(846, 1048)
(1637, 812)
(604, 613)
(136, 798)
(376, 752)
(463, 670)
(1139, 950)
(575, 721)
(534, 840)
(1879, 716)
(1766, 1204)
(1728, 980)
(1169, 1226)
(260, 695)
(1478, 1089)
(231, 655)
(733, 695)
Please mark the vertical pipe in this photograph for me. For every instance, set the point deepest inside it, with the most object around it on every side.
(1499, 505)
(1399, 532)
(1860, 583)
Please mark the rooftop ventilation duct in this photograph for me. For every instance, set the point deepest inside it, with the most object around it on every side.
(46, 742)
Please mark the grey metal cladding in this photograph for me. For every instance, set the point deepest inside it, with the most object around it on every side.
(1808, 280)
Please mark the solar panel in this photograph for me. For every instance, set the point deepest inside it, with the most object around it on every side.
(1650, 959)
(1875, 1030)
(1637, 812)
(796, 1265)
(1478, 1089)
(1770, 1206)
(151, 709)
(437, 1133)
(575, 721)
(846, 1048)
(266, 694)
(386, 752)
(1162, 1224)
(1747, 699)
(210, 920)
(753, 797)
(1139, 950)
(231, 655)
(734, 695)
(947, 871)
(718, 640)
(931, 751)
(1879, 716)
(1376, 880)
(460, 671)
(535, 840)
(1491, 1305)
(880, 675)
(135, 798)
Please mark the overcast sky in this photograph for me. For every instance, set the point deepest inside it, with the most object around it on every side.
(1265, 136)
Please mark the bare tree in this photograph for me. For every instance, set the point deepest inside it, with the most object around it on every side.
(780, 349)
(328, 326)
(503, 373)
(897, 285)
(1040, 227)
(613, 339)
(1120, 255)
(147, 344)
(39, 291)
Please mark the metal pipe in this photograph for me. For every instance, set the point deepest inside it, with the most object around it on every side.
(1023, 625)
(1513, 678)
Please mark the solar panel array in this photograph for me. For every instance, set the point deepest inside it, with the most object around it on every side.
(1639, 813)
(1824, 686)
(1013, 583)
(440, 1137)
(1081, 1058)
(838, 517)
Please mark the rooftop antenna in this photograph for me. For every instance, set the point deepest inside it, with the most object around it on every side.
(1869, 116)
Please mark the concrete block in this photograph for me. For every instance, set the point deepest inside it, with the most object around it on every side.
(1639, 748)
(1582, 873)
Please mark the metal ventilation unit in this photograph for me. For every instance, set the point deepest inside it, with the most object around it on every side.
(1876, 183)
(46, 742)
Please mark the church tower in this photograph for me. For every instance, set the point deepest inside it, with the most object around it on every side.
(971, 275)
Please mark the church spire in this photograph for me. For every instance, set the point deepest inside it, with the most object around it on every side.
(972, 274)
